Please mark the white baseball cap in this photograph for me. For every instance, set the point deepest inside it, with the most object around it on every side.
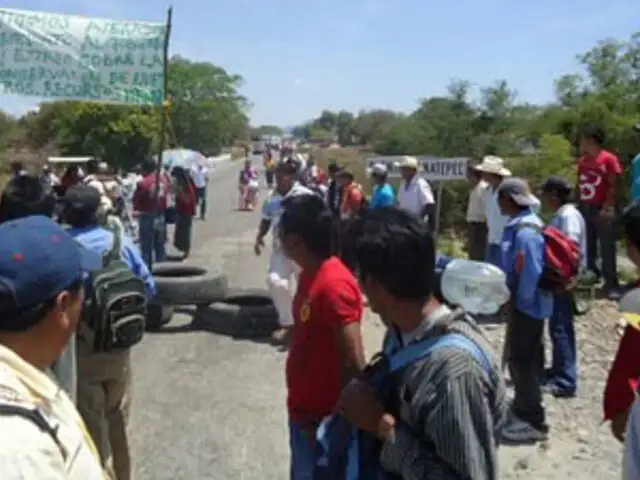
(378, 169)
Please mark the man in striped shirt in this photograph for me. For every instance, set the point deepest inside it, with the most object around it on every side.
(443, 418)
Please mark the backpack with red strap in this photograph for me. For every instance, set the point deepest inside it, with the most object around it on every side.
(561, 258)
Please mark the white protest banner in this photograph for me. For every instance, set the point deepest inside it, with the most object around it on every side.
(433, 168)
(76, 58)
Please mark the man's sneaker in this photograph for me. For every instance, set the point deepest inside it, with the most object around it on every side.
(557, 391)
(519, 431)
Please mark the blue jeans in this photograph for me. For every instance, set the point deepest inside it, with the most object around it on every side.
(493, 254)
(303, 456)
(152, 234)
(564, 371)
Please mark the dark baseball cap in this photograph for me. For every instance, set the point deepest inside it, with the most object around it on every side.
(517, 190)
(556, 184)
(38, 260)
(334, 167)
(345, 173)
(82, 198)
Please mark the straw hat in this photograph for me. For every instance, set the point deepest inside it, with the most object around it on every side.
(493, 165)
(408, 162)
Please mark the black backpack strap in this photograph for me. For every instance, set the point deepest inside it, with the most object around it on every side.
(35, 416)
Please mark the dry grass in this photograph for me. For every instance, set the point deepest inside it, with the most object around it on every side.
(237, 152)
(350, 157)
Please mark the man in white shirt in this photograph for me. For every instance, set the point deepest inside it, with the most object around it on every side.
(415, 195)
(476, 216)
(562, 378)
(282, 271)
(494, 172)
(200, 176)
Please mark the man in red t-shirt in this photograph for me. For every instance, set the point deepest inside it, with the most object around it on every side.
(326, 344)
(151, 214)
(599, 173)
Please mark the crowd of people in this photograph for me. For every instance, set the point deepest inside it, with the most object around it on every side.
(432, 404)
(74, 290)
(444, 413)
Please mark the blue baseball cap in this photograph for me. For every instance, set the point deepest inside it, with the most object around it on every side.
(38, 260)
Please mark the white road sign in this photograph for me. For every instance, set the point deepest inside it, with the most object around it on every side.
(433, 168)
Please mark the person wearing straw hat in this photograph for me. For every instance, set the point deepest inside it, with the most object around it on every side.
(476, 215)
(494, 172)
(415, 194)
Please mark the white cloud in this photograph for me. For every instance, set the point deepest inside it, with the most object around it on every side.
(298, 82)
(18, 106)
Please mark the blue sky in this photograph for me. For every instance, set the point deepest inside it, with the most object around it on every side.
(298, 57)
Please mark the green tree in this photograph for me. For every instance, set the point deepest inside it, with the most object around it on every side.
(266, 130)
(207, 111)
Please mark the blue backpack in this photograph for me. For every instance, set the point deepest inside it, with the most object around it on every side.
(346, 453)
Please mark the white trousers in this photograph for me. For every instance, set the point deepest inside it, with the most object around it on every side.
(281, 281)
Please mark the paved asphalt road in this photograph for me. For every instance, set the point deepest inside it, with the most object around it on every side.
(207, 406)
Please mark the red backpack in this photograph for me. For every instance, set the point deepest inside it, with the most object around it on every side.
(561, 258)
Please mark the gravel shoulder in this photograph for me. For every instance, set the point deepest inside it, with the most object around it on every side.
(209, 406)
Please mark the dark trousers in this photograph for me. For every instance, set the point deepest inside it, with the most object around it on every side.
(564, 371)
(525, 361)
(202, 201)
(601, 240)
(269, 178)
(477, 240)
(347, 239)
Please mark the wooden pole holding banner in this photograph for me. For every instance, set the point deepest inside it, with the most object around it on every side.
(164, 112)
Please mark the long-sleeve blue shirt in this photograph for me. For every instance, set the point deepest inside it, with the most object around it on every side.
(100, 240)
(522, 260)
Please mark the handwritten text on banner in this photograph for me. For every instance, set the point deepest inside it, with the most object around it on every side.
(432, 168)
(69, 57)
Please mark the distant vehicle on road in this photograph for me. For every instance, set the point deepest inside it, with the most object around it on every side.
(258, 145)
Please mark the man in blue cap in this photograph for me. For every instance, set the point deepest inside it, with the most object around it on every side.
(26, 195)
(42, 272)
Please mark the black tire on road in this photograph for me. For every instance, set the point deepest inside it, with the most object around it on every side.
(157, 316)
(244, 313)
(183, 284)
